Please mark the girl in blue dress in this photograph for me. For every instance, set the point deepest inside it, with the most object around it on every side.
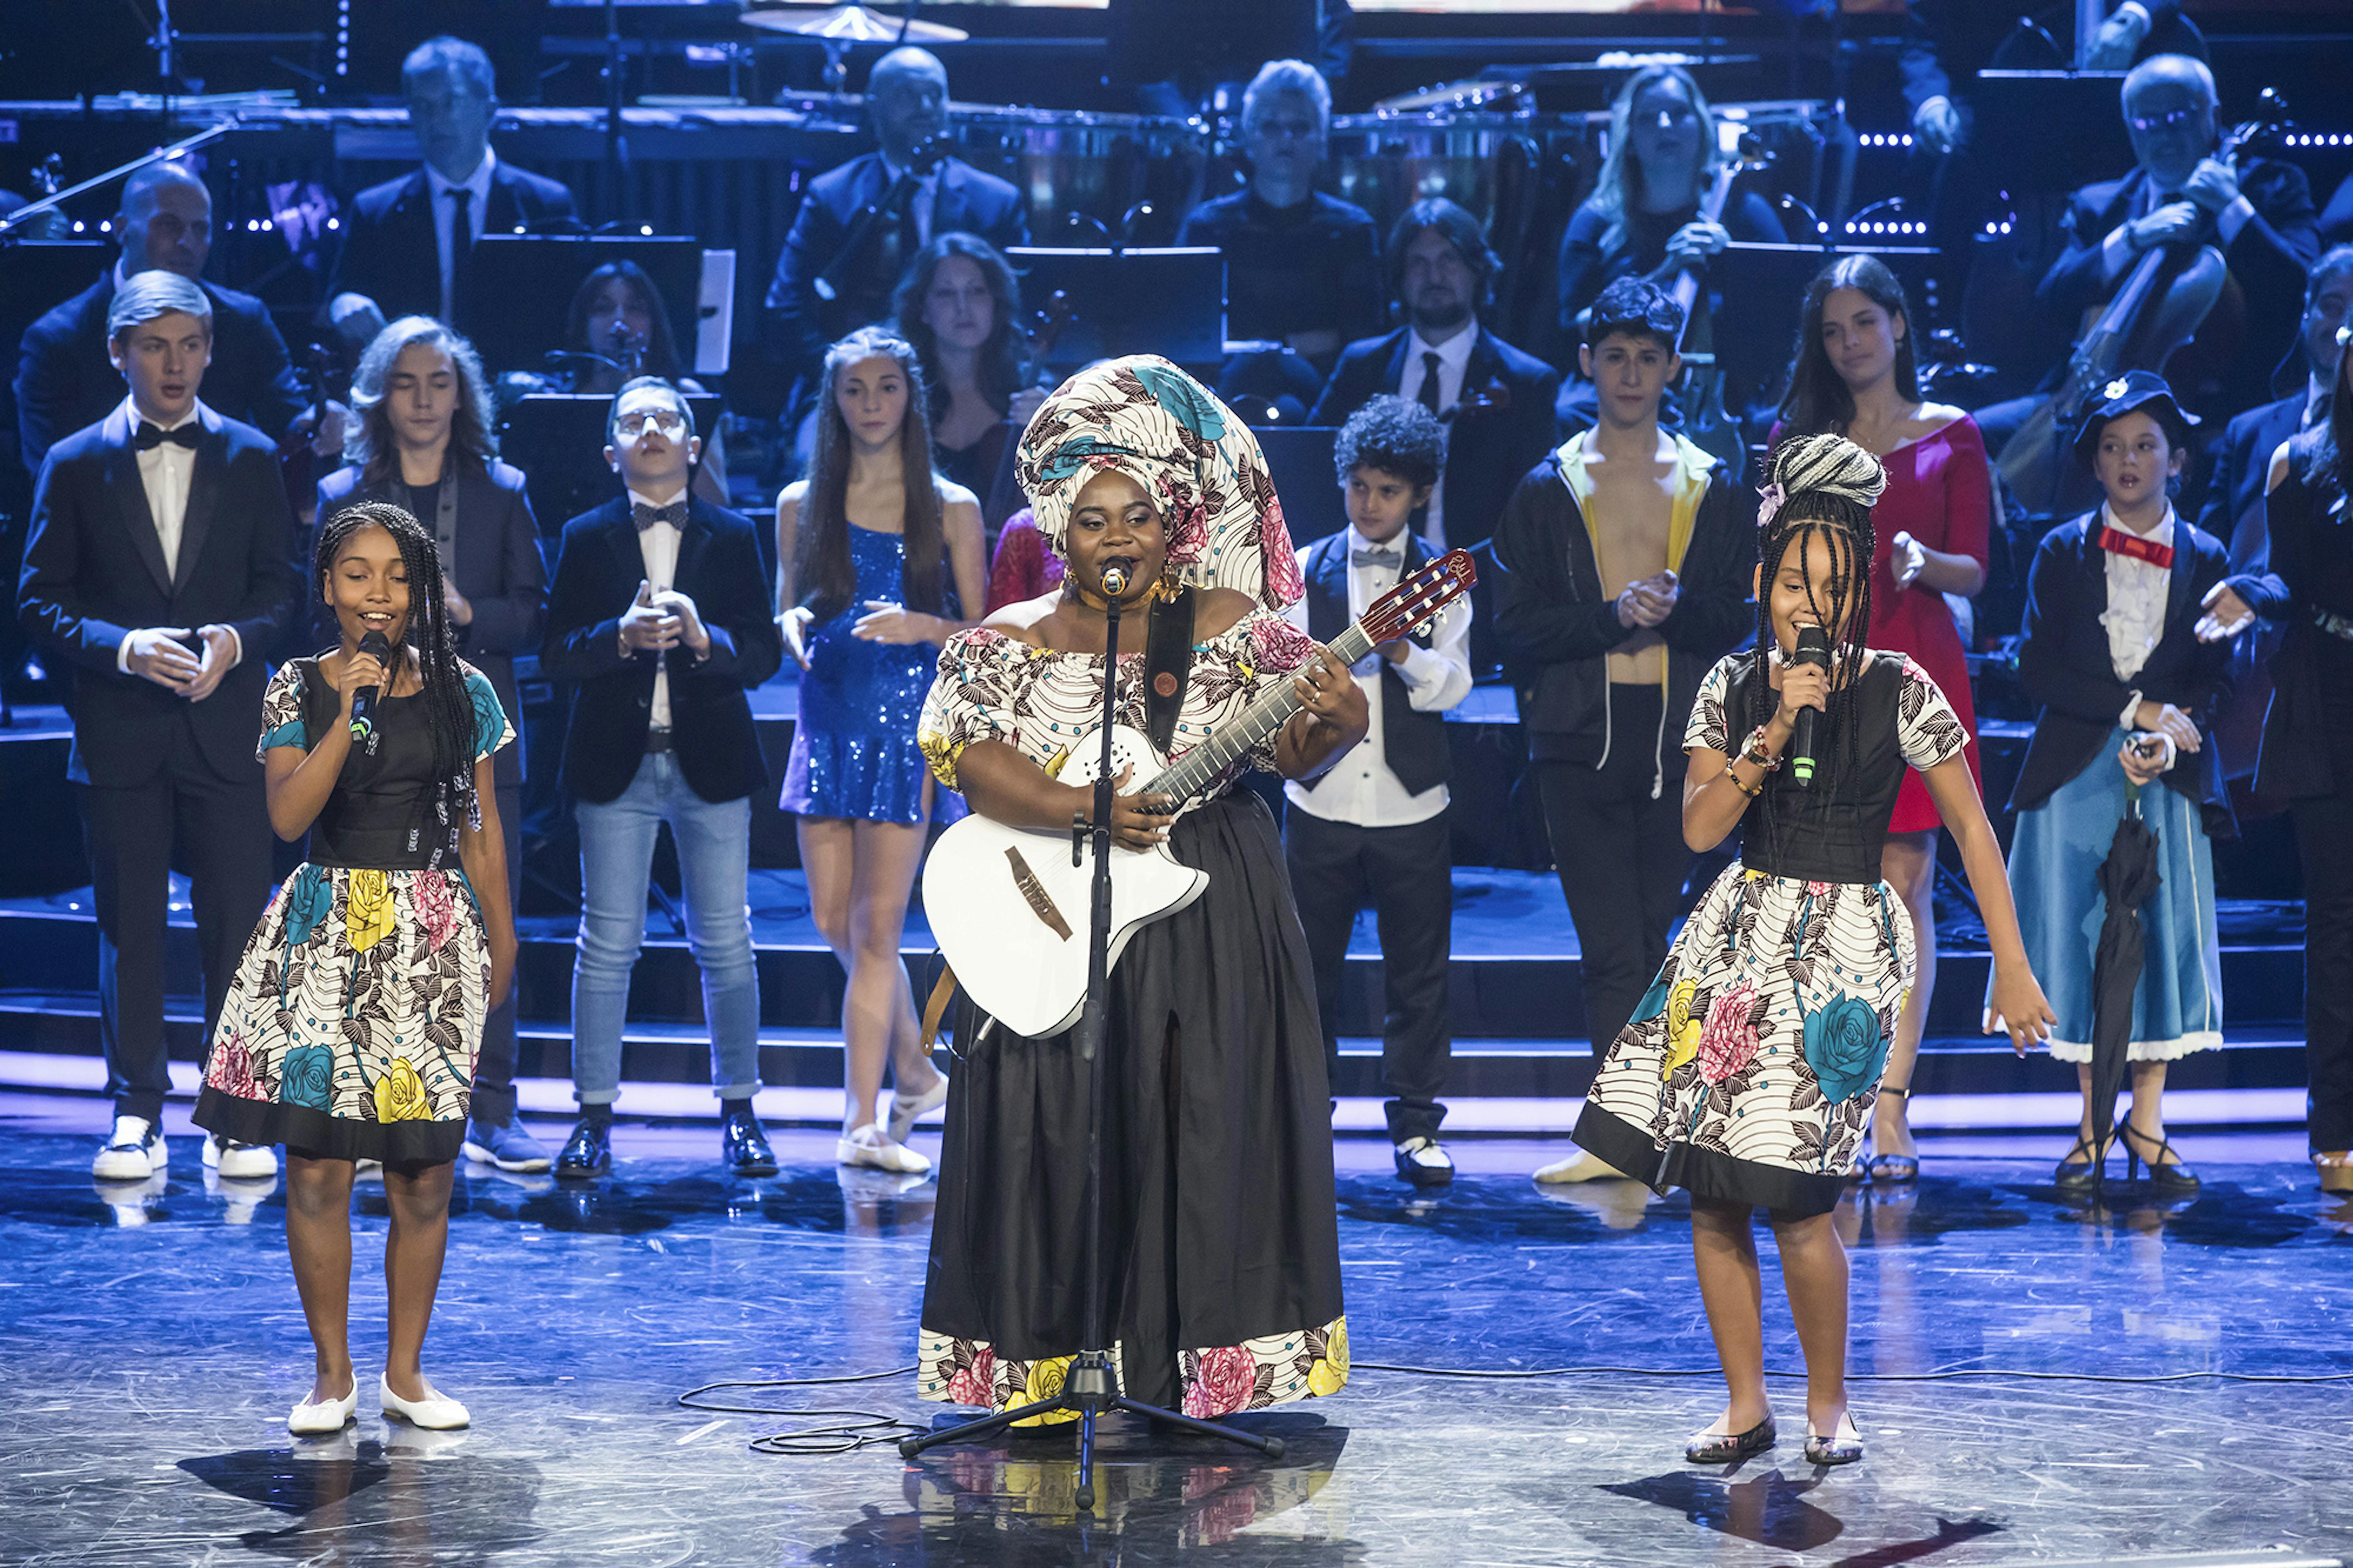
(878, 557)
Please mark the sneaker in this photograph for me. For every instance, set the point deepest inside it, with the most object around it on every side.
(510, 1148)
(133, 1153)
(240, 1162)
(1425, 1162)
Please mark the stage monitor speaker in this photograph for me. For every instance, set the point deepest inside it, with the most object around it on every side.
(526, 282)
(1166, 301)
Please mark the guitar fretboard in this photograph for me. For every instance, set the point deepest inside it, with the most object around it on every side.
(1202, 766)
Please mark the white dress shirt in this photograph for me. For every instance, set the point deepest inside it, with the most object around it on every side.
(164, 473)
(1453, 359)
(2134, 617)
(927, 193)
(658, 547)
(445, 218)
(1359, 786)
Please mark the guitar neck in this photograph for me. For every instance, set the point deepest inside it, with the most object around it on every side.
(1202, 766)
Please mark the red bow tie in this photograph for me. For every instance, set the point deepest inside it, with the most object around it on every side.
(2117, 542)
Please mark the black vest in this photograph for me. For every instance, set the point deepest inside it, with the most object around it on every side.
(1413, 744)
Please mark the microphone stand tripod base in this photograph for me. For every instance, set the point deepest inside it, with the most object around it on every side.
(1090, 1387)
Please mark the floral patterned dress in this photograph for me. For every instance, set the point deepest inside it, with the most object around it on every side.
(1219, 1200)
(351, 1026)
(1747, 1074)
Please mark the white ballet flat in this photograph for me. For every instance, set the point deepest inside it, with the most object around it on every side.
(869, 1145)
(905, 1108)
(315, 1420)
(1581, 1166)
(436, 1412)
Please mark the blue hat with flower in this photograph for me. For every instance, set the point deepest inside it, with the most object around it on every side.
(2142, 390)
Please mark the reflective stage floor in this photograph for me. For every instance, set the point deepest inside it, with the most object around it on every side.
(151, 1344)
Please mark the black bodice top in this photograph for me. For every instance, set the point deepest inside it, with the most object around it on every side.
(381, 814)
(1834, 831)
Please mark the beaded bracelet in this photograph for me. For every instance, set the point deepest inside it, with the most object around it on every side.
(1755, 751)
(1751, 792)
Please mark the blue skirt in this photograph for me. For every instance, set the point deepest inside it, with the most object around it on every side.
(2054, 864)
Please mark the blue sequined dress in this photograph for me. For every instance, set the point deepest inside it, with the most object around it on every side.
(854, 748)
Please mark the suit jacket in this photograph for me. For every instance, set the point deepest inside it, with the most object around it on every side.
(498, 567)
(390, 251)
(2303, 574)
(596, 576)
(94, 574)
(2234, 512)
(1502, 427)
(800, 324)
(2065, 667)
(65, 380)
(1413, 742)
(2268, 258)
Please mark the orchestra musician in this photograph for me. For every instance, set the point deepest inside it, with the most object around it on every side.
(1947, 42)
(1301, 268)
(408, 243)
(907, 99)
(960, 305)
(1495, 401)
(617, 330)
(2258, 215)
(1644, 215)
(63, 378)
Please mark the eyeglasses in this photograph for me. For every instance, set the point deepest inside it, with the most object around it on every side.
(668, 421)
(2165, 121)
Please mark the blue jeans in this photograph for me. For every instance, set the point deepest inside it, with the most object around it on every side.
(617, 854)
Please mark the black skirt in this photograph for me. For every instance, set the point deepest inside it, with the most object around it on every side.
(1223, 1244)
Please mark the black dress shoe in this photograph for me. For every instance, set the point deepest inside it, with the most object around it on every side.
(744, 1147)
(587, 1153)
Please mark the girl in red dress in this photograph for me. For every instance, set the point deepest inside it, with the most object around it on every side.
(1854, 375)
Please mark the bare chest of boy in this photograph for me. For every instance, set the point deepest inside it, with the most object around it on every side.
(1633, 508)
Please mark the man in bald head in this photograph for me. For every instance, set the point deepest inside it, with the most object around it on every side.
(2181, 195)
(907, 102)
(63, 378)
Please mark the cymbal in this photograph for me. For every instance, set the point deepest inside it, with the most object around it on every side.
(854, 25)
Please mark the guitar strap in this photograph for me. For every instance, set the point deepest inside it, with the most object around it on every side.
(1167, 665)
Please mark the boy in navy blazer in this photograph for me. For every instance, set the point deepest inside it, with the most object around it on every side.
(661, 616)
(157, 571)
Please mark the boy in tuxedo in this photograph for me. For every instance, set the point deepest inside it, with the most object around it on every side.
(1375, 822)
(157, 570)
(660, 615)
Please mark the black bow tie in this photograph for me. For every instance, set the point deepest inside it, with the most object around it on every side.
(645, 516)
(150, 437)
(1392, 559)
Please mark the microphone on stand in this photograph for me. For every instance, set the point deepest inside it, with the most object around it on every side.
(1814, 648)
(1114, 581)
(364, 700)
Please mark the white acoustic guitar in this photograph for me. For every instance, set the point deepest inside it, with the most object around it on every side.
(1010, 906)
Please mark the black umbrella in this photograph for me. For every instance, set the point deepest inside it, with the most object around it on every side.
(2128, 878)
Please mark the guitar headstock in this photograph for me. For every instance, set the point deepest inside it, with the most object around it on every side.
(1415, 603)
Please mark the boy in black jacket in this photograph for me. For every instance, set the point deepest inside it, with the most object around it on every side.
(1623, 565)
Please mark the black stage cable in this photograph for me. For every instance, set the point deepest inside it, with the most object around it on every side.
(868, 1429)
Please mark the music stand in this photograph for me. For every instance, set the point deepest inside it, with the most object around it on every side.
(1299, 461)
(557, 439)
(2051, 129)
(532, 276)
(1165, 301)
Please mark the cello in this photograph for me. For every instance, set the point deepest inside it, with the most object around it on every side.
(1706, 423)
(2159, 306)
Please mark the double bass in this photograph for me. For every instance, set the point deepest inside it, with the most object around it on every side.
(2162, 302)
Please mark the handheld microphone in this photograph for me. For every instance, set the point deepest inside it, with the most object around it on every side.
(1814, 648)
(1114, 581)
(364, 700)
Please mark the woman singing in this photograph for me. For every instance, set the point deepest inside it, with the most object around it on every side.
(1854, 375)
(879, 555)
(1223, 1247)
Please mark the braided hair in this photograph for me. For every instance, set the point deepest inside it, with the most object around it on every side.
(1825, 486)
(448, 706)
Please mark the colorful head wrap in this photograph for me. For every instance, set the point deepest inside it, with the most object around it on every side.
(1199, 463)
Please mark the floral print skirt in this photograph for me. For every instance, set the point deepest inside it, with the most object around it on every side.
(1749, 1072)
(351, 1028)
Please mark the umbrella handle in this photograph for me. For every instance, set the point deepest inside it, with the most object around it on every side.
(2132, 800)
